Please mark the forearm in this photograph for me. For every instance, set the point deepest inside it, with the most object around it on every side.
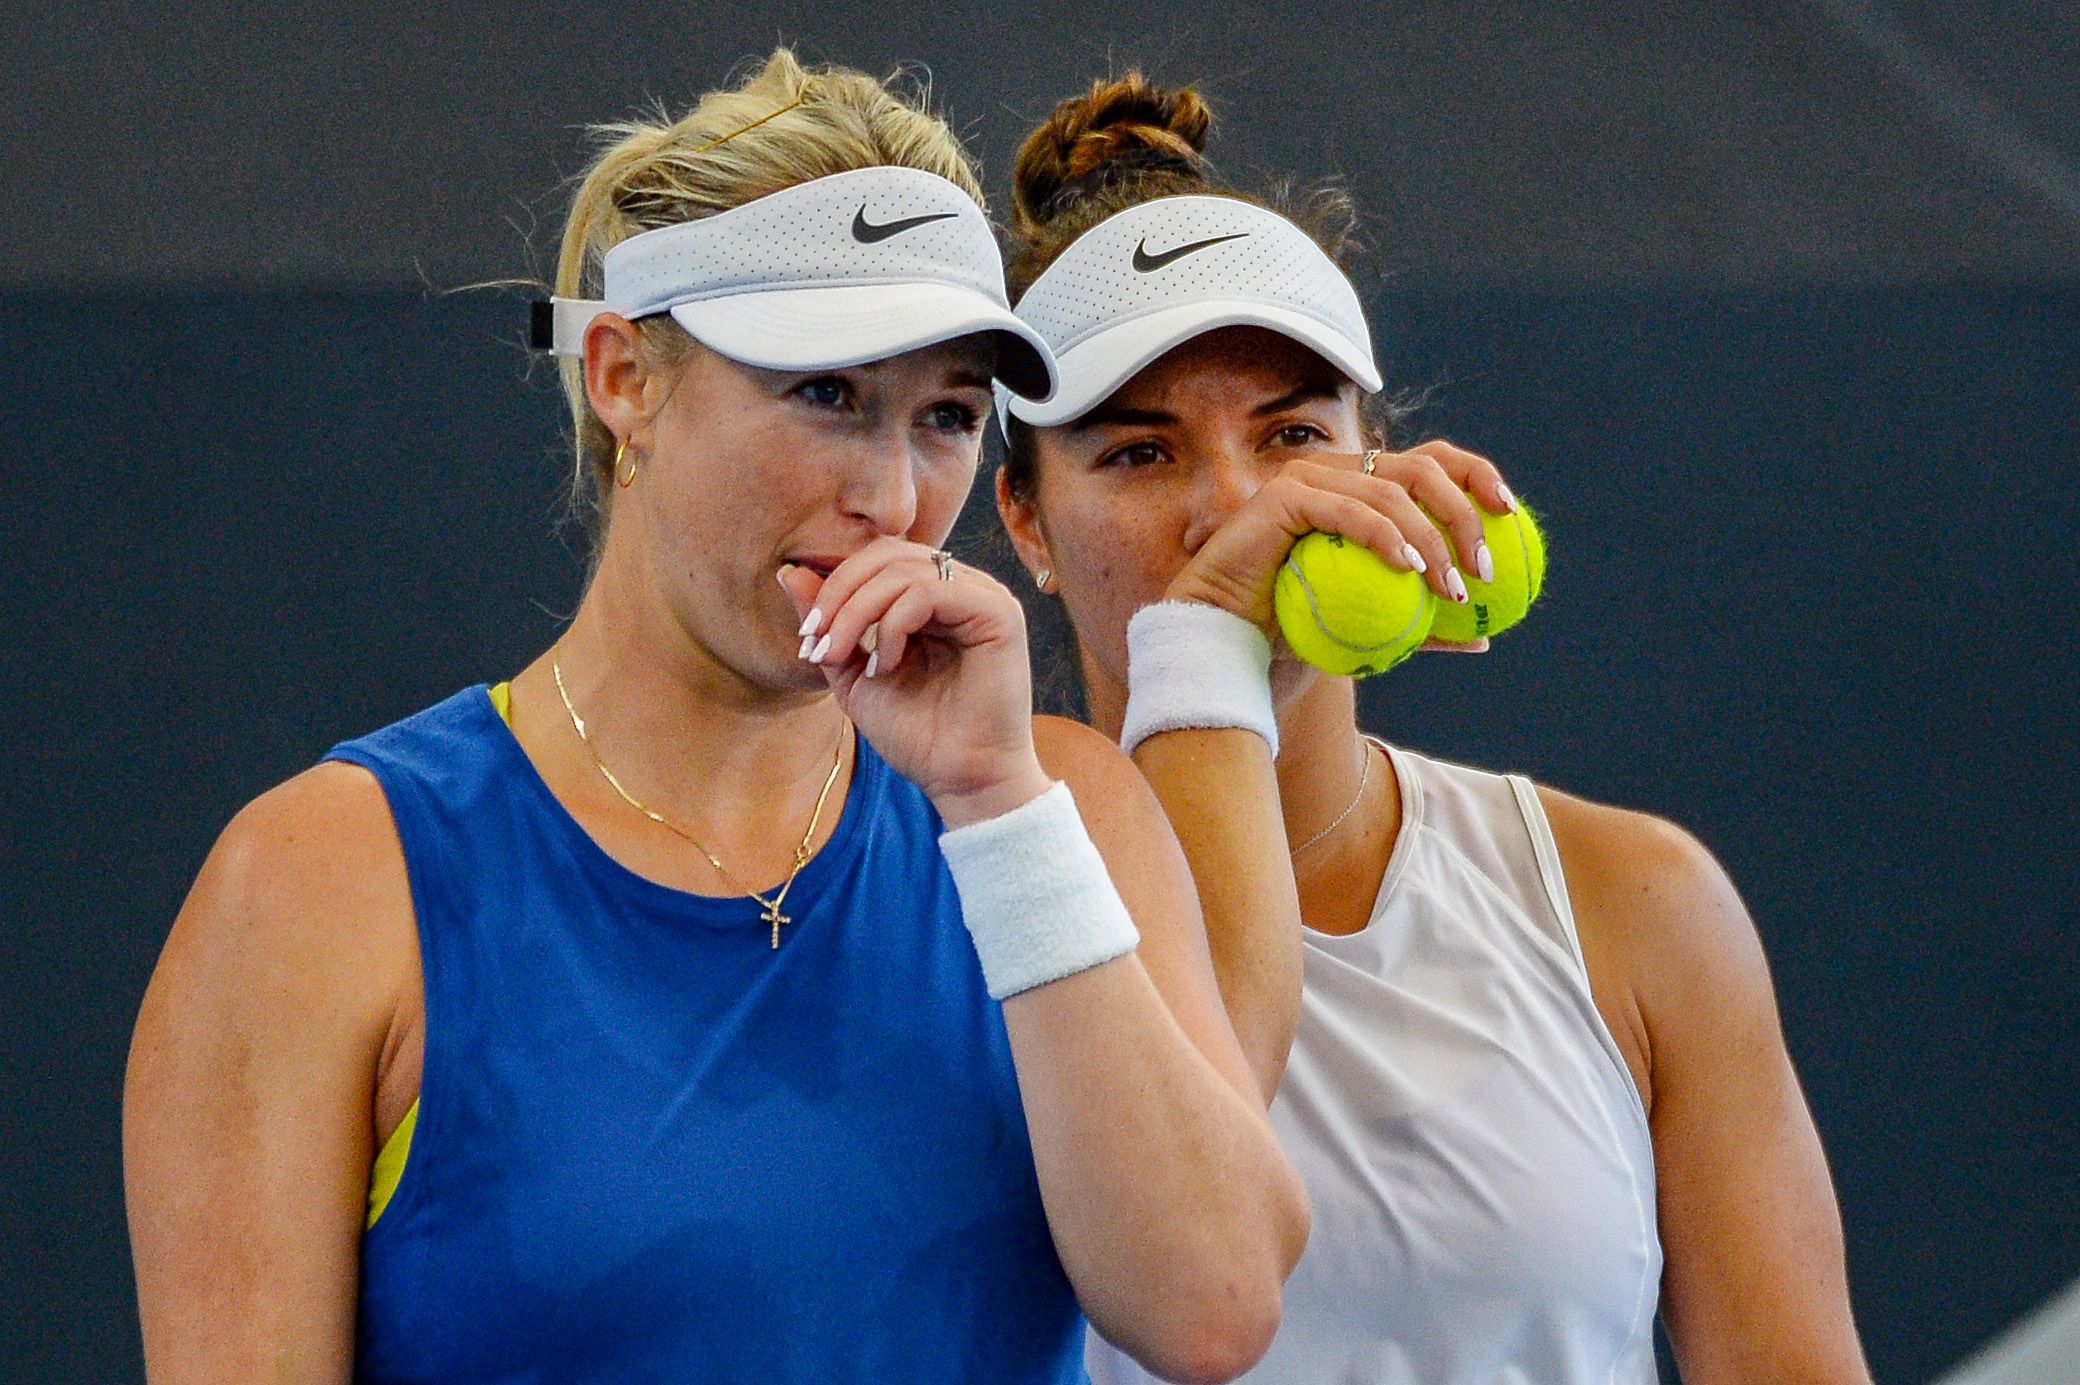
(1175, 1213)
(1171, 1205)
(1219, 788)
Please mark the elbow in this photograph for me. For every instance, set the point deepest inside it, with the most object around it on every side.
(1224, 1324)
(1218, 1342)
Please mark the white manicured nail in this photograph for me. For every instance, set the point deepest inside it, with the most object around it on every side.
(1484, 562)
(1415, 559)
(808, 643)
(1456, 585)
(823, 647)
(811, 622)
(1509, 500)
(873, 662)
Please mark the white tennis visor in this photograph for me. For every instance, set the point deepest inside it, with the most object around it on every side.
(830, 273)
(1156, 275)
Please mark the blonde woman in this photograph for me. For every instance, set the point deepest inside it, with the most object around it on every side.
(1536, 1086)
(750, 989)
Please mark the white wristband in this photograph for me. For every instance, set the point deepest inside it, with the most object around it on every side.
(1193, 665)
(1036, 896)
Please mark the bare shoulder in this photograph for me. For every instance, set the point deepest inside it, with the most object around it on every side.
(305, 892)
(248, 1102)
(1123, 814)
(1652, 887)
(1673, 955)
(1073, 752)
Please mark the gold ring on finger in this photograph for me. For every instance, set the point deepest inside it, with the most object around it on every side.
(1371, 462)
(945, 562)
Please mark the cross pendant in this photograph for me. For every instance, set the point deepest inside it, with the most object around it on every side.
(776, 918)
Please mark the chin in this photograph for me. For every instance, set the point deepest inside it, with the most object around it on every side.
(1290, 677)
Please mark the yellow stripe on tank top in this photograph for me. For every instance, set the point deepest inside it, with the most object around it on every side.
(389, 1165)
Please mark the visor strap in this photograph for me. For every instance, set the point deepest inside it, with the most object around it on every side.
(557, 325)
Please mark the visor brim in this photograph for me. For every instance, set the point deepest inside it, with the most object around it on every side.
(1089, 372)
(833, 326)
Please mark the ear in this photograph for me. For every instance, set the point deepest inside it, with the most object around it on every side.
(617, 374)
(1022, 523)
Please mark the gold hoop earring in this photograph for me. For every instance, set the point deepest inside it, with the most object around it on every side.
(624, 482)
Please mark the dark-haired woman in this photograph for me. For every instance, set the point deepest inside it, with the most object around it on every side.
(739, 993)
(1537, 1086)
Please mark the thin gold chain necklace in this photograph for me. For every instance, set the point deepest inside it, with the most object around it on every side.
(772, 914)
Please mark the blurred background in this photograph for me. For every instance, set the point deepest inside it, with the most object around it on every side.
(1773, 310)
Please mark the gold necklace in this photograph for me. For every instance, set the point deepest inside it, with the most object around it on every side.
(772, 914)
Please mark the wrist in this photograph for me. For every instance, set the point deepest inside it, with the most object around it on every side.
(1199, 589)
(1018, 786)
(1035, 895)
(1196, 666)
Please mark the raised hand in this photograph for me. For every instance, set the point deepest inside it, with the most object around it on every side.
(928, 657)
(1395, 509)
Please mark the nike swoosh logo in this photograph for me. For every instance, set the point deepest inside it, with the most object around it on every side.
(1146, 262)
(866, 232)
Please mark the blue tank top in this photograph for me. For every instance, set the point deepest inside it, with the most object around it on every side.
(651, 1148)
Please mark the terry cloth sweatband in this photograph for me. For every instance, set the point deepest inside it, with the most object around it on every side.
(831, 273)
(1037, 898)
(1190, 665)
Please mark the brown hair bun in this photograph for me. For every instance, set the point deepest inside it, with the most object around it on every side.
(1123, 130)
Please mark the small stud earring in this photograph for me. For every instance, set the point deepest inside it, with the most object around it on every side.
(1040, 578)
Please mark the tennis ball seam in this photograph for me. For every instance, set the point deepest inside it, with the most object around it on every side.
(1315, 611)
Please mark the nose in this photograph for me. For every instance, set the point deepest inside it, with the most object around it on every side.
(882, 489)
(1225, 482)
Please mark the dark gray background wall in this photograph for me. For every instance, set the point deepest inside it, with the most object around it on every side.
(1775, 312)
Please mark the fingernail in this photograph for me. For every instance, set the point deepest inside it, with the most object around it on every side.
(1484, 562)
(870, 638)
(1415, 559)
(823, 647)
(810, 622)
(808, 642)
(873, 662)
(1456, 585)
(1509, 501)
(781, 575)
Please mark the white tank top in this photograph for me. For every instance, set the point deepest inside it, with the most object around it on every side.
(1472, 1142)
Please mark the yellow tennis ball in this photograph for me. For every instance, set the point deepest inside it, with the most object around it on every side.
(1346, 612)
(1519, 551)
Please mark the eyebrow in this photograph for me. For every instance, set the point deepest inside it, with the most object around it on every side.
(1105, 416)
(1113, 416)
(1306, 394)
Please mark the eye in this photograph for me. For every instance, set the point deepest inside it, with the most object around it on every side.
(1134, 454)
(953, 417)
(1299, 435)
(825, 392)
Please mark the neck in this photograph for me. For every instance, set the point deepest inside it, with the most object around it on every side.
(686, 734)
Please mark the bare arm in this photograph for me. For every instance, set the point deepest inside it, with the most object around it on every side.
(1755, 1288)
(1174, 1211)
(247, 1121)
(1219, 789)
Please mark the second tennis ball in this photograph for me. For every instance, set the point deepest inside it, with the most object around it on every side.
(1519, 551)
(1346, 612)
